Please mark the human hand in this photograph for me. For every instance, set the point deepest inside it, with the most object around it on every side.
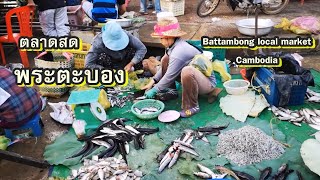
(151, 93)
(128, 67)
(148, 86)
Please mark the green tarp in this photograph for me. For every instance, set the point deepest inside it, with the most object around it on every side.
(211, 114)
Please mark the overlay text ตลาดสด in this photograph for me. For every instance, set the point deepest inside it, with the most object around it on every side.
(275, 42)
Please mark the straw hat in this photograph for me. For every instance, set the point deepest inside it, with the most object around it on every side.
(167, 27)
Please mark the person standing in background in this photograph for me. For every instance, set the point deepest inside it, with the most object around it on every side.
(101, 10)
(144, 7)
(52, 16)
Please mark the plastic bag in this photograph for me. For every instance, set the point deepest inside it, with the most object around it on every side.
(301, 25)
(285, 24)
(219, 66)
(138, 84)
(203, 64)
(305, 25)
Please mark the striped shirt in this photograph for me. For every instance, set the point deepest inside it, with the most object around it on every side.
(105, 9)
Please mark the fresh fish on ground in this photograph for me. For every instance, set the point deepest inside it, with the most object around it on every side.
(101, 143)
(165, 163)
(205, 169)
(174, 158)
(243, 175)
(106, 168)
(265, 173)
(188, 150)
(224, 170)
(299, 175)
(282, 169)
(202, 175)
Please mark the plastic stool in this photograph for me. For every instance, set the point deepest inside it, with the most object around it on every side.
(34, 125)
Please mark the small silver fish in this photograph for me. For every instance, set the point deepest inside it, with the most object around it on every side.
(188, 150)
(202, 175)
(174, 158)
(150, 109)
(165, 163)
(204, 169)
(101, 143)
(126, 145)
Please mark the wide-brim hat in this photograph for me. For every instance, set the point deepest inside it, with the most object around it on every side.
(167, 27)
(114, 37)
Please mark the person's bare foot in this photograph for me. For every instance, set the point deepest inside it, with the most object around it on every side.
(213, 95)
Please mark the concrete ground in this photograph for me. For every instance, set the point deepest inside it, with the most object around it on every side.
(196, 26)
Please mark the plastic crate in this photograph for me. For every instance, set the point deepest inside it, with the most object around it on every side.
(176, 7)
(75, 16)
(80, 56)
(265, 79)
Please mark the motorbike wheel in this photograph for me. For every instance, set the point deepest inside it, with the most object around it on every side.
(206, 7)
(275, 10)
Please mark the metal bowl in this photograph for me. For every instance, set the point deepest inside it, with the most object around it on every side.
(123, 22)
(247, 26)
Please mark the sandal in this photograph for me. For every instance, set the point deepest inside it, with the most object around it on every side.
(189, 112)
(143, 13)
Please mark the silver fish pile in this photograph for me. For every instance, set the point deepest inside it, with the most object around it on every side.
(108, 168)
(146, 110)
(119, 101)
(248, 145)
(172, 153)
(296, 117)
(206, 173)
(312, 96)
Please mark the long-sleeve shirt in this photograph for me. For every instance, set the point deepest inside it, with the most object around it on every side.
(98, 47)
(23, 103)
(180, 55)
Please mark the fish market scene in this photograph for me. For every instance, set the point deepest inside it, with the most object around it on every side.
(160, 90)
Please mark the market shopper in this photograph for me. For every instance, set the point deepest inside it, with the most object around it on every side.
(18, 105)
(53, 17)
(101, 10)
(115, 48)
(174, 64)
(144, 7)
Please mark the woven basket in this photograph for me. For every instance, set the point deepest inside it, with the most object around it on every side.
(60, 61)
(148, 103)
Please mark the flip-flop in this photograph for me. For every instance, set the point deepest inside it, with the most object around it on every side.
(143, 13)
(189, 112)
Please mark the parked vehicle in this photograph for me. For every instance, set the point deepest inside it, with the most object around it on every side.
(206, 7)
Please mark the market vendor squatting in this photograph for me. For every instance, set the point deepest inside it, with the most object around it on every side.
(252, 42)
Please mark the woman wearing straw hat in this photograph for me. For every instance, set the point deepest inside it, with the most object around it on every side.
(174, 63)
(115, 48)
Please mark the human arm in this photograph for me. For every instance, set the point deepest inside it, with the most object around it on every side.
(93, 54)
(140, 48)
(141, 51)
(173, 71)
(158, 75)
(122, 7)
(31, 3)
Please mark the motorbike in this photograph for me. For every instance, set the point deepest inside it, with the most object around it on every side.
(206, 7)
